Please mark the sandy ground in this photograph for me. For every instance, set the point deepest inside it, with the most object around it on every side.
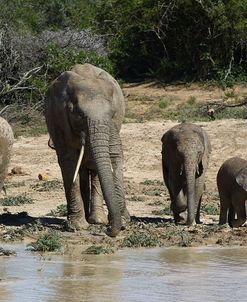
(146, 196)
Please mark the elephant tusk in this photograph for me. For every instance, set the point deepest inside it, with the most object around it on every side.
(78, 163)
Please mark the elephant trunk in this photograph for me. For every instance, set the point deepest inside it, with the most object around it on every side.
(99, 148)
(190, 171)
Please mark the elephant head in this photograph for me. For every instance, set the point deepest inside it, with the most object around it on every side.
(87, 105)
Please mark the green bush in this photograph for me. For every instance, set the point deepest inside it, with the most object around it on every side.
(181, 39)
(140, 240)
(61, 59)
(16, 200)
(97, 250)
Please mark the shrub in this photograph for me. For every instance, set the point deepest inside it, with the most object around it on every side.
(16, 200)
(46, 243)
(97, 250)
(140, 240)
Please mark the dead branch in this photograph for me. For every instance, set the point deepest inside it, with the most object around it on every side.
(26, 76)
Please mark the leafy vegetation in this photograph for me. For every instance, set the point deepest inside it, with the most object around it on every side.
(210, 209)
(138, 39)
(16, 200)
(49, 185)
(151, 182)
(98, 249)
(46, 243)
(6, 252)
(141, 240)
(60, 211)
(177, 39)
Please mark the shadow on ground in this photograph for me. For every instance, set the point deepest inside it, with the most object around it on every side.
(22, 218)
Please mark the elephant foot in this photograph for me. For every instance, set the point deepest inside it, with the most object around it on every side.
(75, 223)
(180, 218)
(236, 223)
(112, 231)
(98, 218)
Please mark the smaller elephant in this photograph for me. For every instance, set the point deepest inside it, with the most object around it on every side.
(185, 155)
(6, 144)
(232, 187)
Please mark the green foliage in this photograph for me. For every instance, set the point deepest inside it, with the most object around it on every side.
(151, 182)
(164, 211)
(176, 39)
(97, 250)
(6, 252)
(191, 100)
(210, 209)
(186, 239)
(35, 16)
(46, 243)
(140, 240)
(60, 211)
(167, 40)
(61, 59)
(163, 104)
(136, 198)
(16, 200)
(49, 185)
(32, 128)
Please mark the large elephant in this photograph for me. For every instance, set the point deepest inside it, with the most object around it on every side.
(232, 187)
(84, 111)
(185, 155)
(6, 144)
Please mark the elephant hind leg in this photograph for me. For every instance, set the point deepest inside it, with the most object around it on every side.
(225, 205)
(231, 215)
(241, 215)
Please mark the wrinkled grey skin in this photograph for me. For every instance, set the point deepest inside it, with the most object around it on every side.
(6, 144)
(85, 106)
(185, 155)
(232, 187)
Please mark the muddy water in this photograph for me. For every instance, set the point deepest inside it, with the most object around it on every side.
(162, 274)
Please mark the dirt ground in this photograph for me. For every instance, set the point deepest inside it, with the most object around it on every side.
(146, 196)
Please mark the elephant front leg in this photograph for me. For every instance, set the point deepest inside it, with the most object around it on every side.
(97, 213)
(75, 206)
(85, 190)
(178, 207)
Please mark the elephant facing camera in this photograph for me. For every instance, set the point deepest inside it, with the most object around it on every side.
(84, 111)
(185, 155)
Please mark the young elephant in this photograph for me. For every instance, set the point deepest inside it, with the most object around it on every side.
(185, 155)
(232, 187)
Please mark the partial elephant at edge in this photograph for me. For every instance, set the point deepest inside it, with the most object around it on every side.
(6, 145)
(232, 187)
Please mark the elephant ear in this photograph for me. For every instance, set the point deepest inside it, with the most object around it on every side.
(241, 178)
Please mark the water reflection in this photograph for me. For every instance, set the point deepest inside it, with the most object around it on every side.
(163, 274)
